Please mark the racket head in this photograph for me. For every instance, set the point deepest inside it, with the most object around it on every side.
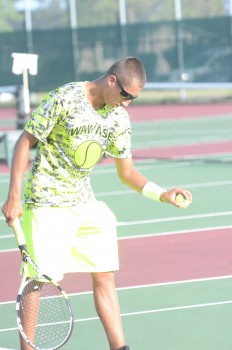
(44, 314)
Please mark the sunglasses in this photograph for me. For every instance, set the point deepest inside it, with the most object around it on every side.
(125, 95)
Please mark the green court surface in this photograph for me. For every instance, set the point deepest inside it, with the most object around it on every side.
(190, 314)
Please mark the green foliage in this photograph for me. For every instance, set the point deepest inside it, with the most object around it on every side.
(104, 12)
(53, 16)
(10, 19)
(92, 12)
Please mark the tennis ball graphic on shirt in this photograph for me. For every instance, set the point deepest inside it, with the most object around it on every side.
(88, 154)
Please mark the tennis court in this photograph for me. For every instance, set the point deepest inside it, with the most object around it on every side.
(175, 281)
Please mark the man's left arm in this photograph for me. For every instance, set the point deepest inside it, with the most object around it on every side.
(131, 177)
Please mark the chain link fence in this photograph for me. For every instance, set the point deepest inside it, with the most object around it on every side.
(196, 50)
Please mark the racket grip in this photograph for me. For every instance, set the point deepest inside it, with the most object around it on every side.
(18, 232)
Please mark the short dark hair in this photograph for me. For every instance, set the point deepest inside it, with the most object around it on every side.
(127, 69)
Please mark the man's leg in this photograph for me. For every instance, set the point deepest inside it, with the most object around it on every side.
(29, 314)
(107, 307)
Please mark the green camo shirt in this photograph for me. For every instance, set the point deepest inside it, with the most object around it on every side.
(72, 138)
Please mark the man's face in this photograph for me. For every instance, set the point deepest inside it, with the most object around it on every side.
(120, 95)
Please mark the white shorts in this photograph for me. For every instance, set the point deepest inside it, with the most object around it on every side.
(72, 239)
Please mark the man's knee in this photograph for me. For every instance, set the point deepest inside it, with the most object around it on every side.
(100, 278)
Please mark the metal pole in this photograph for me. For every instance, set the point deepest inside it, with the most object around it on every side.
(26, 93)
(28, 25)
(228, 7)
(122, 12)
(123, 22)
(178, 11)
(73, 13)
(75, 41)
(180, 48)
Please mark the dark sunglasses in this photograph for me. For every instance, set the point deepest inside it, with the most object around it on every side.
(125, 95)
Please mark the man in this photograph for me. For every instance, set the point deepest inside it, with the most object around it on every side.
(74, 126)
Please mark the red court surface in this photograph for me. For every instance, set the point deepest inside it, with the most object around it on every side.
(163, 112)
(178, 111)
(148, 260)
(155, 259)
(184, 150)
(157, 112)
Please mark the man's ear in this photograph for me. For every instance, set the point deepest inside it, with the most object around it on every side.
(111, 80)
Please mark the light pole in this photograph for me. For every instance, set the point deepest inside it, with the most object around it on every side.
(228, 7)
(123, 22)
(180, 48)
(75, 44)
(178, 11)
(28, 25)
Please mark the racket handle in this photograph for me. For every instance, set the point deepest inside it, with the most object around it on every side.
(18, 233)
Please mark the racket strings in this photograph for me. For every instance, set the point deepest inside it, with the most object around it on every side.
(45, 314)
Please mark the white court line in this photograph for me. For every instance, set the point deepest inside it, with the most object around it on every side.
(162, 284)
(153, 234)
(140, 164)
(189, 186)
(170, 309)
(186, 307)
(110, 168)
(177, 142)
(178, 232)
(175, 218)
(181, 132)
(141, 286)
(9, 250)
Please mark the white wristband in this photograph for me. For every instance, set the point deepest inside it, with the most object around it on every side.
(153, 191)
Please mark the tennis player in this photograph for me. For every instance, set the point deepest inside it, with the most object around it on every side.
(66, 228)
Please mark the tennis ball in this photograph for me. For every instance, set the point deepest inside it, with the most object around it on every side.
(88, 154)
(182, 201)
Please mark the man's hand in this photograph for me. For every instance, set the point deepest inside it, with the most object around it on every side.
(12, 209)
(170, 196)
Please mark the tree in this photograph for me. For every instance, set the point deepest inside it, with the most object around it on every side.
(55, 13)
(10, 19)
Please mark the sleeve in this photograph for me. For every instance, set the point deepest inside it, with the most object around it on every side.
(44, 117)
(120, 146)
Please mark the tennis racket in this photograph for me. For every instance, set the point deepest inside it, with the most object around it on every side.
(44, 314)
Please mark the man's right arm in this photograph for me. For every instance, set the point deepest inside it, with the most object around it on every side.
(12, 208)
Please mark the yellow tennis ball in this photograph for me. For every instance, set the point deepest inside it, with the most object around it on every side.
(184, 202)
(88, 154)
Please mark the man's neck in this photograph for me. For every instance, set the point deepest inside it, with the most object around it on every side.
(94, 93)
